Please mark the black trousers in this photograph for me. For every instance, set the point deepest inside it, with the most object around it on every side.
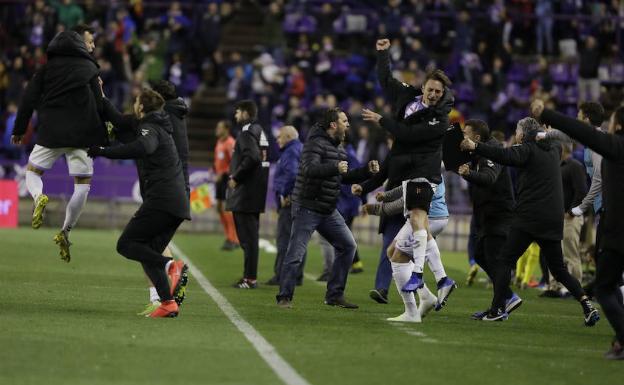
(144, 239)
(247, 229)
(486, 254)
(609, 269)
(284, 225)
(517, 243)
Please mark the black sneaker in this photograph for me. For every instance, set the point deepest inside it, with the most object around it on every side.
(616, 352)
(284, 303)
(379, 295)
(340, 302)
(245, 283)
(591, 314)
(496, 315)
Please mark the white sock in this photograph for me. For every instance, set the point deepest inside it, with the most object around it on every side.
(153, 295)
(434, 261)
(34, 184)
(424, 293)
(401, 273)
(75, 205)
(420, 246)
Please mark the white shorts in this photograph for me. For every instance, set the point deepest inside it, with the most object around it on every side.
(78, 162)
(404, 240)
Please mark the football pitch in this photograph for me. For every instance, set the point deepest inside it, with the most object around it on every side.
(76, 323)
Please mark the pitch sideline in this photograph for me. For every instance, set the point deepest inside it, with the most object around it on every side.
(269, 354)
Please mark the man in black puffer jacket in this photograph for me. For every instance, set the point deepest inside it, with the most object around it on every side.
(538, 214)
(247, 187)
(322, 168)
(165, 202)
(68, 98)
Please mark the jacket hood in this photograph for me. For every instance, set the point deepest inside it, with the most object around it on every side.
(160, 118)
(176, 107)
(318, 132)
(69, 43)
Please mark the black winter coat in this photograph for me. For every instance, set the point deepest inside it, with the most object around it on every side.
(160, 170)
(67, 96)
(491, 193)
(417, 149)
(250, 169)
(317, 187)
(539, 200)
(177, 110)
(611, 147)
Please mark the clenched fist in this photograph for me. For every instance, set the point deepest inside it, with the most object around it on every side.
(373, 167)
(380, 196)
(343, 167)
(356, 189)
(464, 169)
(382, 44)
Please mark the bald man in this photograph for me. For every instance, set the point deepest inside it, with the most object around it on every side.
(283, 183)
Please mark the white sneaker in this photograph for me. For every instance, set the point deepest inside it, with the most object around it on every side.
(426, 305)
(406, 318)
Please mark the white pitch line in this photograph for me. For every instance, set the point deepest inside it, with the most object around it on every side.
(267, 351)
(313, 279)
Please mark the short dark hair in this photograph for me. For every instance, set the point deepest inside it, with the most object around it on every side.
(439, 75)
(80, 29)
(165, 88)
(330, 115)
(479, 127)
(248, 106)
(151, 100)
(226, 123)
(594, 111)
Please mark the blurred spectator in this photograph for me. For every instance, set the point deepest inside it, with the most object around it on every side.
(589, 61)
(68, 12)
(364, 150)
(544, 26)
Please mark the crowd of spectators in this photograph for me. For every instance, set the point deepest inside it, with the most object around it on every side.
(317, 54)
(499, 54)
(137, 42)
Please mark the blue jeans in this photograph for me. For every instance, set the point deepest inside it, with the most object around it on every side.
(334, 229)
(384, 269)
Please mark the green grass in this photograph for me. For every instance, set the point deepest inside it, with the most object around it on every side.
(76, 324)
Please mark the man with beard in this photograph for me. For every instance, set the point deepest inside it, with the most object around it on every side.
(323, 167)
(492, 206)
(67, 96)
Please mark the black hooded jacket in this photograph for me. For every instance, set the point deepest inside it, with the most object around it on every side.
(317, 186)
(250, 169)
(160, 171)
(491, 193)
(67, 96)
(177, 110)
(539, 198)
(417, 149)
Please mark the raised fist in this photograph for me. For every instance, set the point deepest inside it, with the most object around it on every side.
(382, 44)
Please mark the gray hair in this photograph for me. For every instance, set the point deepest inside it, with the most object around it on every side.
(530, 127)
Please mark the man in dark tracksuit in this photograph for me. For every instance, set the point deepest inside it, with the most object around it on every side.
(283, 184)
(247, 187)
(165, 202)
(538, 215)
(323, 167)
(610, 255)
(492, 201)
